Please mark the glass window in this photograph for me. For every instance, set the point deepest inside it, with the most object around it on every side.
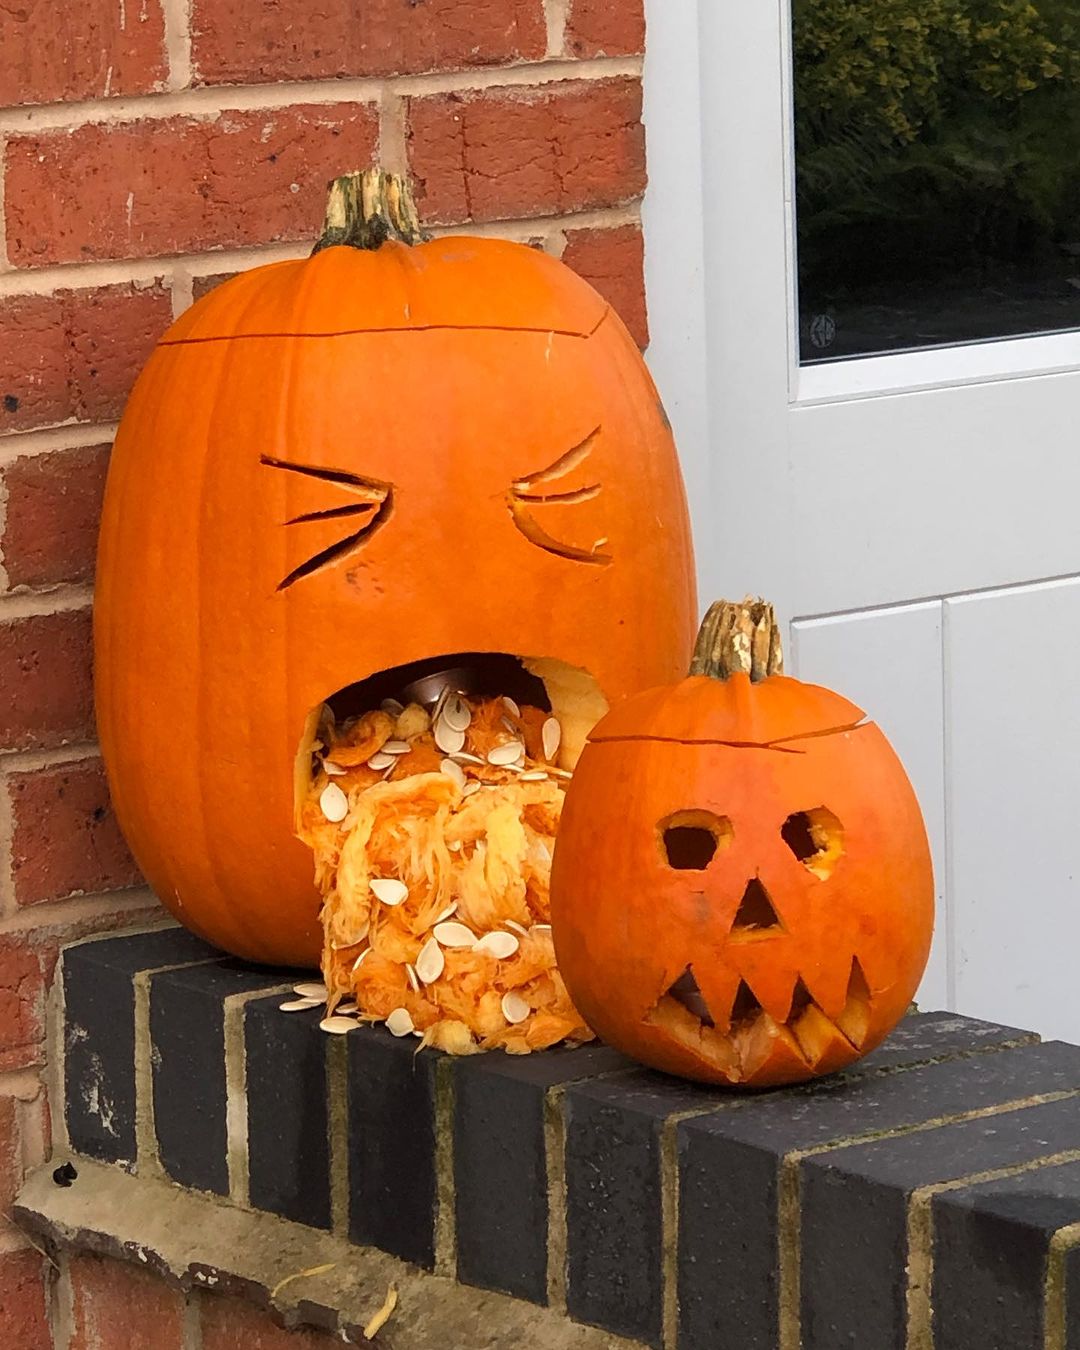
(937, 170)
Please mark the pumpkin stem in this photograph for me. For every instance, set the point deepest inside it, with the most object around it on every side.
(366, 208)
(739, 637)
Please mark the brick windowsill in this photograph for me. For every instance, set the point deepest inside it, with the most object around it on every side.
(930, 1196)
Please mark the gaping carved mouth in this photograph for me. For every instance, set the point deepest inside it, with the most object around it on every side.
(737, 1041)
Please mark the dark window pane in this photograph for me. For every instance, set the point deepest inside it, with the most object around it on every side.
(938, 172)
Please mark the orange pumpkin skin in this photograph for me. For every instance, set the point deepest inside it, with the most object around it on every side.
(628, 925)
(429, 387)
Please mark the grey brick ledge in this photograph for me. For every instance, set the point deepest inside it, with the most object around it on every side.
(849, 1213)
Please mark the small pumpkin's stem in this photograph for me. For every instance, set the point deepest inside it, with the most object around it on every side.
(739, 637)
(366, 208)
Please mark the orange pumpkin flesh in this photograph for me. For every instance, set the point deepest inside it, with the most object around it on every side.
(742, 888)
(343, 466)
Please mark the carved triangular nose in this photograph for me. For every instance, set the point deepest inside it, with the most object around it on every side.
(756, 909)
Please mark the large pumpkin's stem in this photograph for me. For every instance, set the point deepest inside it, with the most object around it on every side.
(739, 637)
(366, 208)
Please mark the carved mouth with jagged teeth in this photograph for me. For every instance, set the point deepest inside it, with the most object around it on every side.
(739, 1039)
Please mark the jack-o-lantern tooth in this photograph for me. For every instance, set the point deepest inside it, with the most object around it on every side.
(823, 1044)
(854, 1021)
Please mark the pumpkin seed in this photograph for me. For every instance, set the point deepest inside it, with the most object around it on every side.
(392, 706)
(471, 788)
(440, 702)
(510, 726)
(414, 979)
(534, 776)
(454, 771)
(464, 757)
(400, 1022)
(541, 928)
(498, 944)
(457, 714)
(337, 1026)
(506, 754)
(356, 963)
(517, 927)
(449, 741)
(312, 989)
(508, 702)
(448, 912)
(431, 963)
(334, 803)
(551, 737)
(300, 1004)
(381, 760)
(389, 890)
(514, 1008)
(395, 748)
(454, 935)
(333, 770)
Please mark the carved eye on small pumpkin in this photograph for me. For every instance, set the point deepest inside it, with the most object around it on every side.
(816, 838)
(369, 514)
(540, 489)
(691, 839)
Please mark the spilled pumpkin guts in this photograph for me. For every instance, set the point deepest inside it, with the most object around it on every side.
(433, 833)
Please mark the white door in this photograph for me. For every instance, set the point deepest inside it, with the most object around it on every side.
(914, 514)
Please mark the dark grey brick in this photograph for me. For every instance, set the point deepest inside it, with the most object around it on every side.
(500, 1162)
(614, 1197)
(729, 1169)
(288, 1131)
(187, 1024)
(99, 1055)
(392, 1179)
(925, 1037)
(854, 1215)
(991, 1243)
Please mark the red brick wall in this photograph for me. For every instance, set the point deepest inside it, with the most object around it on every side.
(148, 148)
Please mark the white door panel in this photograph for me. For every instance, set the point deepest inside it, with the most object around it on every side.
(889, 663)
(1013, 784)
(923, 495)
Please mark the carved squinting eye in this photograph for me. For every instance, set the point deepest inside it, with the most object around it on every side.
(370, 513)
(540, 489)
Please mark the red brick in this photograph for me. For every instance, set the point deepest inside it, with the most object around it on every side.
(10, 1153)
(134, 189)
(613, 261)
(119, 1305)
(228, 1324)
(91, 50)
(46, 685)
(506, 153)
(75, 354)
(22, 1004)
(53, 506)
(606, 27)
(243, 41)
(201, 286)
(19, 1121)
(66, 840)
(23, 1318)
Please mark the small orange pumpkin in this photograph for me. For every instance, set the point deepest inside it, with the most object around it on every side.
(395, 454)
(742, 889)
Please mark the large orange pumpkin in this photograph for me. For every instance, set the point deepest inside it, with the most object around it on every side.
(742, 888)
(395, 452)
